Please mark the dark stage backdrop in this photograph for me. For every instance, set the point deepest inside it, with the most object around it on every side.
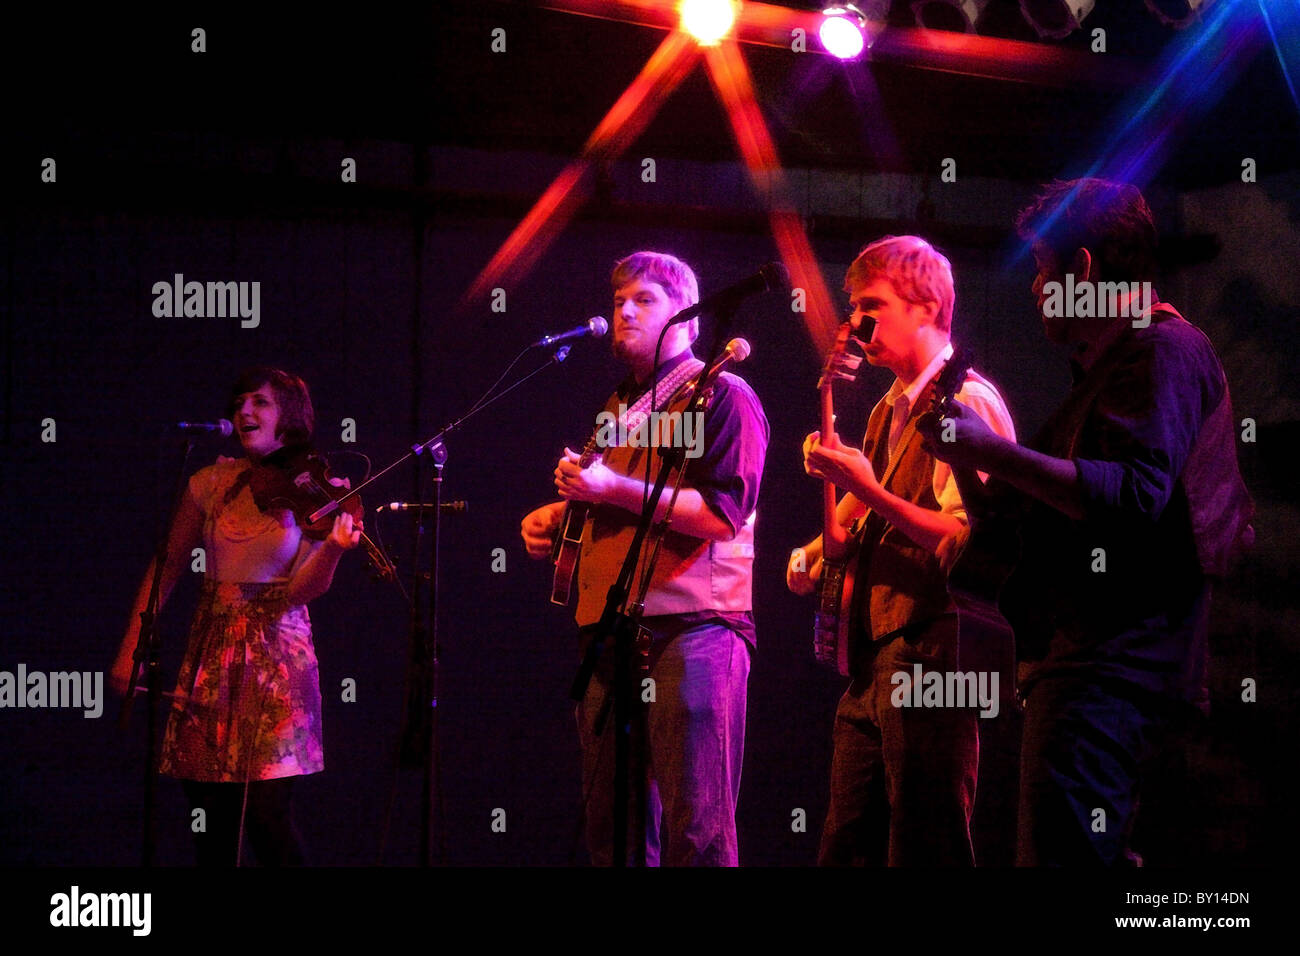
(358, 291)
(360, 303)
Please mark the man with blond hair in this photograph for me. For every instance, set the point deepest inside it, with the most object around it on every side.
(902, 777)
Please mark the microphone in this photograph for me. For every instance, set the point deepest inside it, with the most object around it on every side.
(458, 506)
(199, 428)
(596, 326)
(737, 350)
(772, 276)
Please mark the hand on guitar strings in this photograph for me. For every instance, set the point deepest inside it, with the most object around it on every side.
(842, 465)
(575, 483)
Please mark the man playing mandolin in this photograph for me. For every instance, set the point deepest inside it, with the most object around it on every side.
(902, 778)
(699, 604)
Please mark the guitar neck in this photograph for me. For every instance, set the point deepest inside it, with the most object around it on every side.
(591, 452)
(574, 516)
(834, 536)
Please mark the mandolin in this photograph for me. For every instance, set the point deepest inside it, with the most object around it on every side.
(839, 544)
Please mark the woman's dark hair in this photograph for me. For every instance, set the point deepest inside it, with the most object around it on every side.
(297, 418)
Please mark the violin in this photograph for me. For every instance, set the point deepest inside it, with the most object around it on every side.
(297, 479)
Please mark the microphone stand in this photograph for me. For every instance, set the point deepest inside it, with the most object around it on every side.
(420, 733)
(631, 639)
(421, 740)
(147, 650)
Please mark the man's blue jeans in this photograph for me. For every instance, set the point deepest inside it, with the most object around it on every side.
(695, 740)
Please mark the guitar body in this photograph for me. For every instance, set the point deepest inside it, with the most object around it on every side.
(987, 557)
(565, 551)
(567, 545)
(835, 612)
(975, 583)
(568, 540)
(990, 584)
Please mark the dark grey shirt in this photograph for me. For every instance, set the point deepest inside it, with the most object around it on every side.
(1149, 426)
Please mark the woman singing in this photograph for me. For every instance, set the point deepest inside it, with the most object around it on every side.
(246, 718)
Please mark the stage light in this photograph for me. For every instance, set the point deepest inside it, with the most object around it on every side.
(707, 20)
(1177, 13)
(958, 16)
(1056, 19)
(849, 28)
(841, 32)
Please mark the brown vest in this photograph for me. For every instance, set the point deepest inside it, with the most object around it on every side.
(899, 583)
(691, 574)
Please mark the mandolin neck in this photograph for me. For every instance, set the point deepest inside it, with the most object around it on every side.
(834, 536)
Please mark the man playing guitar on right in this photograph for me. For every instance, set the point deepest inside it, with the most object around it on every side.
(1133, 503)
(902, 778)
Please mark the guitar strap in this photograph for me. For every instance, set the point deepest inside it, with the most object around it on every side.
(665, 391)
(574, 519)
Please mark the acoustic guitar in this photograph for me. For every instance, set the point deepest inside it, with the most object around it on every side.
(568, 540)
(986, 556)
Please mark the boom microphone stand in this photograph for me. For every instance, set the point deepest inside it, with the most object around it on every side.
(421, 732)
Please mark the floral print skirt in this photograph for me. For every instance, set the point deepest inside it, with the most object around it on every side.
(247, 703)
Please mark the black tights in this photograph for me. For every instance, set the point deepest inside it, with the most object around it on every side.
(268, 822)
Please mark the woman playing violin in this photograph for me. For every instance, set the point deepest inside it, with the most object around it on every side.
(246, 718)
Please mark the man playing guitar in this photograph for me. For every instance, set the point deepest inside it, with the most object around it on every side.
(902, 778)
(699, 604)
(1136, 505)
